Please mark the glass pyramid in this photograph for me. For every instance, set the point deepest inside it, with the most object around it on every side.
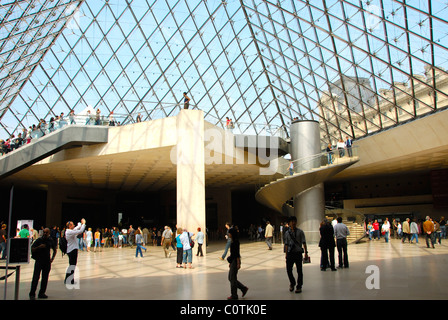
(357, 67)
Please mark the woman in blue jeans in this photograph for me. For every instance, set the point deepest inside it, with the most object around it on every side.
(179, 249)
(115, 235)
(187, 251)
(139, 242)
(414, 231)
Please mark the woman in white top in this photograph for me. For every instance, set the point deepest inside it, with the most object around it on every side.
(71, 234)
(385, 229)
(341, 148)
(89, 239)
(185, 238)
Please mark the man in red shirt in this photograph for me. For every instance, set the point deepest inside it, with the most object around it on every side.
(376, 230)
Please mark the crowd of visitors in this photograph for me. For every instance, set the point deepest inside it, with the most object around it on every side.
(408, 231)
(342, 147)
(333, 235)
(57, 122)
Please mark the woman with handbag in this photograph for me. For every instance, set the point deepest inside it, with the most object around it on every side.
(187, 245)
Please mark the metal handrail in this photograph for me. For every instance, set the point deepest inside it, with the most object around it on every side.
(316, 160)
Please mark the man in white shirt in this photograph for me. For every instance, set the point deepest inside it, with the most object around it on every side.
(124, 232)
(166, 241)
(269, 234)
(71, 234)
(341, 232)
(341, 148)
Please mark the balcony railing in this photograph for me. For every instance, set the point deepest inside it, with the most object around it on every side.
(314, 161)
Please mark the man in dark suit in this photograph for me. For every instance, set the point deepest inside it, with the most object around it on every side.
(327, 245)
(41, 253)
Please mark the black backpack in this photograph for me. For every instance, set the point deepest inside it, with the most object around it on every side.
(63, 245)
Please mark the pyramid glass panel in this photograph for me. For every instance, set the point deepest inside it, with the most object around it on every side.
(357, 67)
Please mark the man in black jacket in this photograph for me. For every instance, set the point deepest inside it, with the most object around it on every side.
(295, 246)
(41, 253)
(327, 245)
(234, 265)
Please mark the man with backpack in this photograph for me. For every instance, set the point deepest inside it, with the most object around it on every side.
(40, 251)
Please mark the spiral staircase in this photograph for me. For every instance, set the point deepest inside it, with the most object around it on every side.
(309, 171)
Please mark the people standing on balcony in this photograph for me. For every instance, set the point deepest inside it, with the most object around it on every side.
(291, 168)
(41, 126)
(341, 232)
(111, 119)
(329, 154)
(71, 117)
(139, 118)
(62, 121)
(28, 134)
(341, 148)
(98, 117)
(88, 117)
(348, 146)
(229, 124)
(186, 101)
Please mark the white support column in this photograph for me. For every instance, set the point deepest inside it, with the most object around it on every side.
(191, 171)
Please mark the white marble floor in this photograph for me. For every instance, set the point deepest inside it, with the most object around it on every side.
(406, 271)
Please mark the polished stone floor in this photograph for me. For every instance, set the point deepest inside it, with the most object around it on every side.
(402, 271)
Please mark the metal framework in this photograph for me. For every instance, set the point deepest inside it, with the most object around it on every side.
(349, 64)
